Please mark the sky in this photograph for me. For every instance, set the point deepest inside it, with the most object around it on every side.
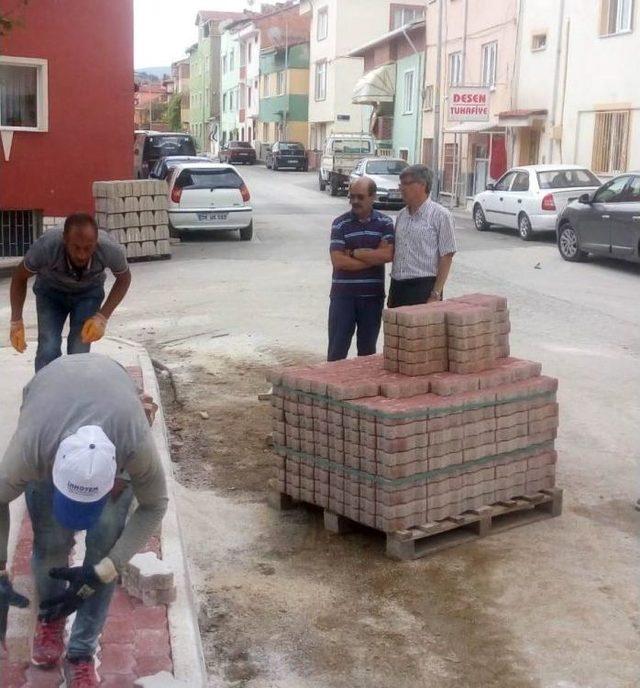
(164, 29)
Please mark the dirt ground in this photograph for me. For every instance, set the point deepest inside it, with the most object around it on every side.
(283, 602)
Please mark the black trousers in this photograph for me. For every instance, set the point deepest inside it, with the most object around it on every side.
(345, 314)
(410, 292)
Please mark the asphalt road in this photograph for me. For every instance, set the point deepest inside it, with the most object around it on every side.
(563, 592)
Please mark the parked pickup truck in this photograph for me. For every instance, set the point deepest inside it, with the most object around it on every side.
(341, 153)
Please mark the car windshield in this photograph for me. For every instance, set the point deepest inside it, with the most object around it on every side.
(351, 146)
(291, 147)
(209, 179)
(239, 144)
(566, 179)
(163, 146)
(393, 167)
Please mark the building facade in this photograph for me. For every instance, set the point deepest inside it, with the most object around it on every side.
(577, 96)
(49, 129)
(390, 86)
(249, 81)
(229, 83)
(337, 28)
(180, 71)
(205, 79)
(478, 50)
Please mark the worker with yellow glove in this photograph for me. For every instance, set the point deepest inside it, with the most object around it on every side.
(70, 266)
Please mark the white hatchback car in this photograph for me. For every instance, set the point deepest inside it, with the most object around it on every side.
(530, 198)
(209, 197)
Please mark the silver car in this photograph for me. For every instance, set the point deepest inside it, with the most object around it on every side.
(209, 197)
(385, 172)
(530, 198)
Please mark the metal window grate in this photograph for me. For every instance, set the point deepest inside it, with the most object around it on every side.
(610, 141)
(18, 230)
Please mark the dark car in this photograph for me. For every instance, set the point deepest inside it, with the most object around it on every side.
(162, 168)
(604, 223)
(287, 154)
(238, 151)
(150, 146)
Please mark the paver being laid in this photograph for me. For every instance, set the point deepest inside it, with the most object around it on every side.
(443, 423)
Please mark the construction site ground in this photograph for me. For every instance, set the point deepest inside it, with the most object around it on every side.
(283, 603)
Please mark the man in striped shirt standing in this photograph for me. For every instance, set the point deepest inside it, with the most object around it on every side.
(361, 244)
(425, 243)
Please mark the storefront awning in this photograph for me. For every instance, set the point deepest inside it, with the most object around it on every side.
(376, 86)
(521, 118)
(474, 127)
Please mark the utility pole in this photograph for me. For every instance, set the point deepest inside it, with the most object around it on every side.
(437, 107)
(286, 77)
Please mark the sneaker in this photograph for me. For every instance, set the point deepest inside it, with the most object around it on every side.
(80, 672)
(48, 643)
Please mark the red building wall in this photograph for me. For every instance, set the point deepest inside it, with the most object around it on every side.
(89, 46)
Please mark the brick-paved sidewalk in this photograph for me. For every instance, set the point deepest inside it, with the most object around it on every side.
(135, 641)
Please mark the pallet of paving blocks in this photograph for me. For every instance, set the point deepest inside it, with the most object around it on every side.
(442, 432)
(134, 213)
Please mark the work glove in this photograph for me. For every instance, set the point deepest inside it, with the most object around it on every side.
(94, 328)
(8, 598)
(17, 336)
(83, 581)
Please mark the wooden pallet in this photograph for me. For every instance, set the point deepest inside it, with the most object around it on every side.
(421, 541)
(146, 259)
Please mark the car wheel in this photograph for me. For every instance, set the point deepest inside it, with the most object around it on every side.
(479, 220)
(524, 227)
(174, 233)
(335, 185)
(246, 233)
(275, 165)
(569, 246)
(321, 182)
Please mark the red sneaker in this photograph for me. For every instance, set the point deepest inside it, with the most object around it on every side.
(80, 672)
(48, 643)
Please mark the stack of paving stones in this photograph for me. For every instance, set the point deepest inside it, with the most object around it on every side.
(149, 579)
(442, 423)
(134, 213)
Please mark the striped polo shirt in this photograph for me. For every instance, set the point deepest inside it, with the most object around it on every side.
(348, 232)
(421, 240)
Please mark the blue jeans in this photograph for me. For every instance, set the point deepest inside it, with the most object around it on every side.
(52, 544)
(345, 314)
(53, 308)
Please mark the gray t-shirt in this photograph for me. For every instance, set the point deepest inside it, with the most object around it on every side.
(78, 390)
(48, 259)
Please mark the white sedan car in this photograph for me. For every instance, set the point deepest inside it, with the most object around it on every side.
(530, 198)
(385, 172)
(209, 197)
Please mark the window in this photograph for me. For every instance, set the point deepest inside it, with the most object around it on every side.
(23, 94)
(616, 16)
(205, 30)
(249, 46)
(280, 83)
(224, 64)
(521, 182)
(566, 179)
(505, 182)
(207, 63)
(224, 102)
(232, 60)
(538, 41)
(408, 92)
(265, 85)
(405, 15)
(321, 80)
(323, 24)
(612, 192)
(449, 167)
(249, 97)
(489, 64)
(231, 101)
(455, 69)
(428, 98)
(610, 141)
(633, 192)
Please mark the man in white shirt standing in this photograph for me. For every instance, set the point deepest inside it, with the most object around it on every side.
(424, 243)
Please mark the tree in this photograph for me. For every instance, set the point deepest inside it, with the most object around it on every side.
(173, 115)
(9, 19)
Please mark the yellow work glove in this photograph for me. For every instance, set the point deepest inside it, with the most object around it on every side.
(93, 329)
(18, 340)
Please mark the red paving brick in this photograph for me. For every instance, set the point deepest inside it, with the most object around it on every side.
(135, 641)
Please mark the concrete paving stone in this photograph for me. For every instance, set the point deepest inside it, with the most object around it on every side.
(472, 342)
(389, 316)
(445, 460)
(482, 440)
(543, 437)
(391, 341)
(503, 328)
(402, 471)
(509, 421)
(503, 351)
(413, 369)
(514, 444)
(145, 203)
(445, 435)
(441, 449)
(471, 355)
(545, 459)
(426, 344)
(504, 410)
(472, 366)
(149, 248)
(402, 444)
(419, 316)
(390, 329)
(475, 330)
(491, 301)
(391, 366)
(161, 233)
(471, 315)
(390, 353)
(547, 411)
(479, 427)
(523, 370)
(400, 386)
(512, 432)
(353, 390)
(451, 420)
(131, 204)
(482, 474)
(423, 333)
(480, 452)
(537, 427)
(391, 496)
(119, 658)
(424, 356)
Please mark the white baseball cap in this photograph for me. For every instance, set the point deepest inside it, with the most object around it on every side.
(84, 472)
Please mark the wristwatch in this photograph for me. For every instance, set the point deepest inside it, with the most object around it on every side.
(437, 294)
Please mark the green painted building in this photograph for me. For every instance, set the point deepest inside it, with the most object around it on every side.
(284, 94)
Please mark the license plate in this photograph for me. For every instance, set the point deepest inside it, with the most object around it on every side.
(394, 195)
(292, 161)
(212, 216)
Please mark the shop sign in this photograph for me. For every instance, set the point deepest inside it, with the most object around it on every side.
(468, 104)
